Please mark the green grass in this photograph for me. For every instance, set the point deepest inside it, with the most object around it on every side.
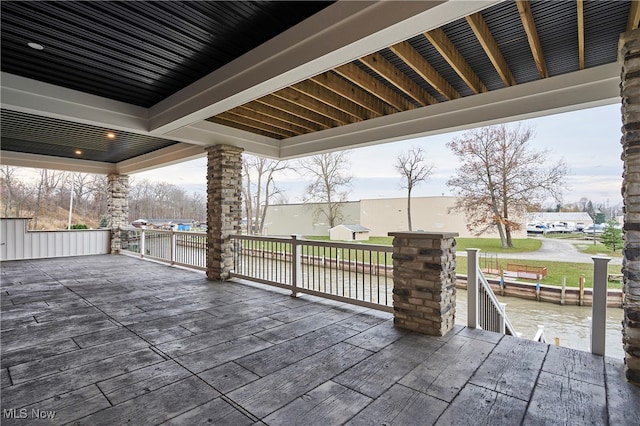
(598, 248)
(555, 271)
(492, 245)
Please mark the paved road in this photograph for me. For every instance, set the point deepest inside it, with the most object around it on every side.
(559, 251)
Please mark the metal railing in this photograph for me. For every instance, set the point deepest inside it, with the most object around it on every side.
(484, 309)
(184, 248)
(360, 274)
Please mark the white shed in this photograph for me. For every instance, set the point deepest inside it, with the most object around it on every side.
(349, 233)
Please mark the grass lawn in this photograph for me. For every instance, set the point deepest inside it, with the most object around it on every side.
(484, 244)
(555, 270)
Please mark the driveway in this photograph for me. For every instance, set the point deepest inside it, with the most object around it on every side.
(559, 251)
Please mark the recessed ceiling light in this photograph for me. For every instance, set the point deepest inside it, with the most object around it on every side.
(78, 152)
(36, 46)
(111, 135)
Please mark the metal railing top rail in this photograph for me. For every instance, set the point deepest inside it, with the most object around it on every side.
(510, 329)
(319, 243)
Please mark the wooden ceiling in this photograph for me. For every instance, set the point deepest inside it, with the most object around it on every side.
(541, 39)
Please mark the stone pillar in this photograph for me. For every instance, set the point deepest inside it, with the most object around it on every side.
(224, 207)
(424, 291)
(117, 207)
(629, 56)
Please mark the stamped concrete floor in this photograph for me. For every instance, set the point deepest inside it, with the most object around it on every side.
(115, 340)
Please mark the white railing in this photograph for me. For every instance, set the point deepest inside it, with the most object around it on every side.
(484, 309)
(360, 274)
(184, 248)
(599, 305)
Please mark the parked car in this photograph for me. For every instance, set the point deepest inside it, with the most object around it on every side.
(594, 229)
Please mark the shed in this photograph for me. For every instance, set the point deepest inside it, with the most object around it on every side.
(349, 233)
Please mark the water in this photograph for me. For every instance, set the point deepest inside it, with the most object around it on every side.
(569, 323)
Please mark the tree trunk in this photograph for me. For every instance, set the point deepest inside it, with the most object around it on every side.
(409, 208)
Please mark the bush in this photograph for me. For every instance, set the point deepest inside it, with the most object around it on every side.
(79, 226)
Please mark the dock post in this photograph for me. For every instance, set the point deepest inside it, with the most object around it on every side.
(564, 288)
(581, 293)
(599, 305)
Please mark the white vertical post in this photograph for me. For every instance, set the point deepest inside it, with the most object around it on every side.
(472, 287)
(503, 324)
(599, 305)
(172, 242)
(296, 265)
(142, 244)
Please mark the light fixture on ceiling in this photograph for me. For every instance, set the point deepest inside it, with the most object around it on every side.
(36, 46)
(78, 152)
(111, 135)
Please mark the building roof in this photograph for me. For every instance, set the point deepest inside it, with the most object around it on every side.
(559, 217)
(352, 228)
(285, 79)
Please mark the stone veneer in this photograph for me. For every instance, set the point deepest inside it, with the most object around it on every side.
(224, 207)
(629, 56)
(117, 207)
(424, 293)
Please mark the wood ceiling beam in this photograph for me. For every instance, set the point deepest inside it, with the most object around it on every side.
(634, 15)
(355, 94)
(218, 120)
(412, 57)
(452, 55)
(359, 77)
(526, 16)
(334, 100)
(293, 108)
(488, 42)
(580, 16)
(250, 113)
(393, 75)
(233, 117)
(279, 114)
(305, 101)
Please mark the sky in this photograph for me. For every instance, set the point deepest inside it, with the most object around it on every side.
(588, 140)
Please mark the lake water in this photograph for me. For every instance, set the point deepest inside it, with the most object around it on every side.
(569, 323)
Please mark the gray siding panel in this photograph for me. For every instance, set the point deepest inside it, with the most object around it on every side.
(19, 243)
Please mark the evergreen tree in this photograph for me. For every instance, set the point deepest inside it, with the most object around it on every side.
(612, 235)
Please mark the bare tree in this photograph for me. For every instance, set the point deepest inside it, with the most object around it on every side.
(259, 189)
(330, 180)
(412, 167)
(500, 175)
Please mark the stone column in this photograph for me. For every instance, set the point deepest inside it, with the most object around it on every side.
(117, 207)
(424, 292)
(224, 205)
(629, 56)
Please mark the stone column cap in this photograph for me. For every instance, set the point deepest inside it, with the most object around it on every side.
(425, 235)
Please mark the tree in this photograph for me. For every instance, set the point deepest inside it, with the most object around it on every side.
(329, 182)
(259, 189)
(500, 175)
(413, 169)
(612, 235)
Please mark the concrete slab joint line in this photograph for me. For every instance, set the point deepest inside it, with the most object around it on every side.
(629, 53)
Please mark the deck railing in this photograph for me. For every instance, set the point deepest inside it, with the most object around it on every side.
(360, 274)
(484, 309)
(184, 248)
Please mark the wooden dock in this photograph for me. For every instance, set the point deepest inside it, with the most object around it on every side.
(115, 340)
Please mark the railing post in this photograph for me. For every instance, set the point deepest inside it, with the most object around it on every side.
(172, 244)
(472, 287)
(599, 305)
(503, 324)
(142, 243)
(296, 265)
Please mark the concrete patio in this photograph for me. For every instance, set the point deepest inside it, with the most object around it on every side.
(115, 340)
